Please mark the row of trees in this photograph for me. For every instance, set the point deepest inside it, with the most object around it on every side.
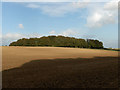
(58, 41)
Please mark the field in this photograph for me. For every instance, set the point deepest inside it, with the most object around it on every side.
(57, 67)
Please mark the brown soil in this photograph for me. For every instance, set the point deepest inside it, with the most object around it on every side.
(55, 67)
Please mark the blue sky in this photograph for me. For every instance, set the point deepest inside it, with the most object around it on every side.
(80, 20)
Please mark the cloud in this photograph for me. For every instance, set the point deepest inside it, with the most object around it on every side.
(21, 26)
(10, 37)
(112, 5)
(111, 43)
(69, 32)
(58, 9)
(54, 0)
(38, 0)
(91, 36)
(32, 5)
(32, 35)
(102, 15)
(99, 15)
(98, 19)
(52, 32)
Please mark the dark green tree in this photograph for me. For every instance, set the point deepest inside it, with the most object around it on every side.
(58, 41)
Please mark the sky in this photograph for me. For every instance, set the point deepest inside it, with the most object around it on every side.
(87, 20)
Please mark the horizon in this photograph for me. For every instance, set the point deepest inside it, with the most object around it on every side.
(80, 20)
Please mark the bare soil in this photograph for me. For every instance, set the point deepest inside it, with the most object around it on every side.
(17, 56)
(56, 67)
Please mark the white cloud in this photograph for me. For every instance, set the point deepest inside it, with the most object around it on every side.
(52, 32)
(89, 36)
(98, 16)
(111, 43)
(10, 37)
(21, 26)
(33, 5)
(54, 0)
(32, 35)
(38, 0)
(103, 15)
(81, 4)
(98, 19)
(0, 35)
(112, 5)
(58, 9)
(69, 32)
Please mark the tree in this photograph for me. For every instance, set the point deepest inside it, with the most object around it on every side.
(58, 41)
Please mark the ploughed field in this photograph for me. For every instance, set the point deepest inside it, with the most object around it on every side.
(57, 67)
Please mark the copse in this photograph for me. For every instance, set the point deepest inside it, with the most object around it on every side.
(59, 41)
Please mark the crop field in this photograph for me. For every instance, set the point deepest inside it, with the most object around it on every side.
(57, 67)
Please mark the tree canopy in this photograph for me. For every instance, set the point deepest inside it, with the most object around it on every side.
(58, 41)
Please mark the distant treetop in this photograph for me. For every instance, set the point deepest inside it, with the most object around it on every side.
(59, 41)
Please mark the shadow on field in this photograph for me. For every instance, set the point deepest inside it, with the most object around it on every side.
(98, 72)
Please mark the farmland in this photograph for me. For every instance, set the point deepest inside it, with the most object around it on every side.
(57, 67)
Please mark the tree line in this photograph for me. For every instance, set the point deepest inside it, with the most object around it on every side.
(59, 41)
